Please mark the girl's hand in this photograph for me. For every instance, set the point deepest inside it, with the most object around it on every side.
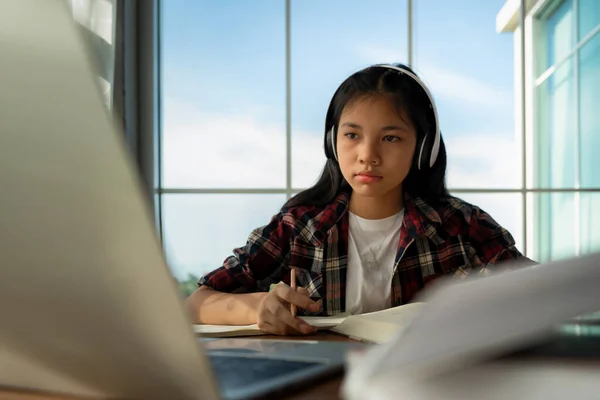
(274, 315)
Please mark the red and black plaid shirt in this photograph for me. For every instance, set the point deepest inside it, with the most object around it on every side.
(452, 238)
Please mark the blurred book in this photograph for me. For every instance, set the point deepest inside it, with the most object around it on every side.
(463, 326)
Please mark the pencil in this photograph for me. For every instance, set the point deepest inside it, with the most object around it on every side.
(293, 286)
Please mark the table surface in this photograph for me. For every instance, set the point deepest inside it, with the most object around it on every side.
(577, 349)
(326, 388)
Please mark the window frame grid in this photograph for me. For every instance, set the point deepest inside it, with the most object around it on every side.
(524, 21)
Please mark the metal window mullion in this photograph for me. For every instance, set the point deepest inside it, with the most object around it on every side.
(158, 113)
(522, 15)
(222, 191)
(288, 102)
(577, 138)
(296, 190)
(409, 24)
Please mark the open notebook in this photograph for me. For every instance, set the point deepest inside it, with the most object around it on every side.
(375, 327)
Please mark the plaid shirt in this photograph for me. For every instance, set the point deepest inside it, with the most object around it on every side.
(454, 238)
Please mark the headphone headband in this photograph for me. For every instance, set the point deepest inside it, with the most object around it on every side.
(435, 147)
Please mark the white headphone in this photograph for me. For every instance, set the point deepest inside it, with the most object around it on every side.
(435, 148)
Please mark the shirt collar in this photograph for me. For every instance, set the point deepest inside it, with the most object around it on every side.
(420, 218)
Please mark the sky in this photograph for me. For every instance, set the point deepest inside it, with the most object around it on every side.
(224, 92)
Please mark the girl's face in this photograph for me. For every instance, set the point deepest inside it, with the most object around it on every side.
(375, 146)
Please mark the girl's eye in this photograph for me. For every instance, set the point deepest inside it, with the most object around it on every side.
(351, 135)
(390, 138)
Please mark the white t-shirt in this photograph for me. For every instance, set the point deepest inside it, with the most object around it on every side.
(372, 247)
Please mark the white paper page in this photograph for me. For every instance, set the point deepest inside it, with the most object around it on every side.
(324, 322)
(379, 326)
(245, 330)
(219, 329)
(396, 315)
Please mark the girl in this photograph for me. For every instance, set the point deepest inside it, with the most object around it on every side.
(376, 228)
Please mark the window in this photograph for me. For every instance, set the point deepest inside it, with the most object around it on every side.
(589, 18)
(223, 128)
(567, 129)
(469, 67)
(589, 122)
(201, 230)
(556, 117)
(223, 94)
(505, 208)
(97, 17)
(330, 40)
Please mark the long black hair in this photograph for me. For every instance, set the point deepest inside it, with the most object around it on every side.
(427, 183)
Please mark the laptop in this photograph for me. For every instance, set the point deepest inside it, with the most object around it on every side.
(88, 306)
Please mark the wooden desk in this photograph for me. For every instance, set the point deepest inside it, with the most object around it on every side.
(327, 388)
(579, 350)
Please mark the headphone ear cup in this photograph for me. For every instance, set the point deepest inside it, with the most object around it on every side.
(328, 145)
(423, 152)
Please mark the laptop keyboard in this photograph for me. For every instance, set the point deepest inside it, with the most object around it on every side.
(235, 372)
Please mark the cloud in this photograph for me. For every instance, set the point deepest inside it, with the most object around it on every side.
(233, 150)
(308, 158)
(488, 161)
(445, 83)
(483, 160)
(203, 149)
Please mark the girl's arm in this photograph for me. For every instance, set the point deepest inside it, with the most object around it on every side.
(208, 306)
(270, 310)
(237, 293)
